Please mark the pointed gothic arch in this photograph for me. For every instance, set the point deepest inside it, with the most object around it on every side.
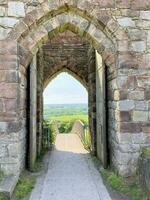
(101, 31)
(71, 73)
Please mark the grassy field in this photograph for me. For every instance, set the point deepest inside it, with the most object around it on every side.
(68, 118)
(65, 115)
(65, 123)
(51, 110)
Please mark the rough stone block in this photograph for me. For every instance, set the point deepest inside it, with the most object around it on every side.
(8, 65)
(140, 116)
(8, 76)
(140, 5)
(14, 126)
(138, 138)
(14, 149)
(1, 105)
(126, 22)
(146, 128)
(137, 34)
(4, 33)
(11, 105)
(126, 82)
(141, 105)
(8, 51)
(143, 82)
(125, 170)
(147, 94)
(2, 11)
(123, 4)
(146, 59)
(124, 116)
(148, 37)
(104, 3)
(120, 94)
(125, 105)
(145, 15)
(136, 95)
(8, 185)
(8, 22)
(129, 148)
(126, 127)
(16, 9)
(53, 4)
(3, 150)
(124, 138)
(122, 158)
(3, 127)
(143, 23)
(138, 46)
(123, 45)
(8, 90)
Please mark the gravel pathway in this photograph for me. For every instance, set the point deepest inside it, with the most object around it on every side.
(71, 174)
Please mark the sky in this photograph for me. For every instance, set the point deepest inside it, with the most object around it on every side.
(65, 89)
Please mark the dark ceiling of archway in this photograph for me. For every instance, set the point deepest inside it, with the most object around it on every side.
(66, 51)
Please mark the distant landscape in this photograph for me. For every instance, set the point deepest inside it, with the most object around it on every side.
(66, 114)
(58, 111)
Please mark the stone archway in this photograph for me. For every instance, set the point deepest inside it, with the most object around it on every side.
(108, 38)
(83, 28)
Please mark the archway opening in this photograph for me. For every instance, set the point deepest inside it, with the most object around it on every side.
(68, 52)
(65, 102)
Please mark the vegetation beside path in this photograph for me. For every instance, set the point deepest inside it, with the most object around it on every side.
(130, 189)
(24, 186)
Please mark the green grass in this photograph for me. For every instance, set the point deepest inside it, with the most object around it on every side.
(68, 118)
(2, 197)
(39, 164)
(24, 186)
(116, 182)
(1, 178)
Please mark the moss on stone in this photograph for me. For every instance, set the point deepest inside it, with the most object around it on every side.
(146, 151)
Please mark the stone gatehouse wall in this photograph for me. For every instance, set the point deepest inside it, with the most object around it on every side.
(118, 29)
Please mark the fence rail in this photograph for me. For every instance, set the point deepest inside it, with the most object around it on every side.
(82, 130)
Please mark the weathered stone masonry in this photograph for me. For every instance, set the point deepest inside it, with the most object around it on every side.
(119, 30)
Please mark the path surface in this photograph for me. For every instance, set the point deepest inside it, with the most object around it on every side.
(71, 175)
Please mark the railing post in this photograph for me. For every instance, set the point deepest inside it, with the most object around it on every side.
(49, 142)
(46, 137)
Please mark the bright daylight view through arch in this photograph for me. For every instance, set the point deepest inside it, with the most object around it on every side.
(65, 102)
